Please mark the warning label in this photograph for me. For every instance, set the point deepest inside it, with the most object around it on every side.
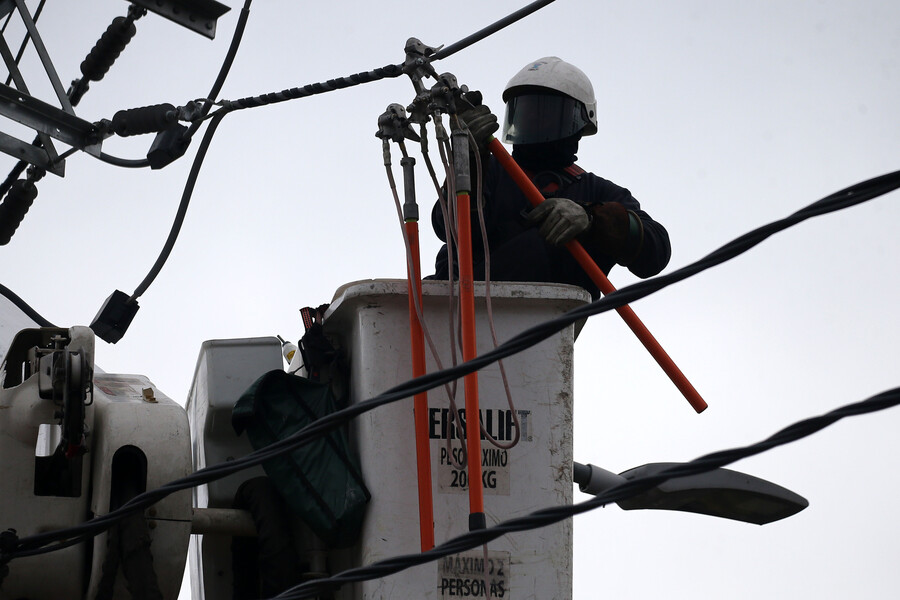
(497, 422)
(495, 462)
(469, 575)
(494, 470)
(120, 388)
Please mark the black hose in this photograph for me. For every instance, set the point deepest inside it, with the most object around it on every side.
(387, 71)
(24, 307)
(225, 68)
(490, 29)
(182, 209)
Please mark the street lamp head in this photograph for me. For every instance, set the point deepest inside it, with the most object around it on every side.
(718, 493)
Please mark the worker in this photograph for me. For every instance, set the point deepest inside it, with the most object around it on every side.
(550, 105)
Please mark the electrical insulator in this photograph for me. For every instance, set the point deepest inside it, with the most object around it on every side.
(107, 49)
(14, 207)
(147, 119)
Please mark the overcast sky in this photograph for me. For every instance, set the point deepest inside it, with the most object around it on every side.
(719, 116)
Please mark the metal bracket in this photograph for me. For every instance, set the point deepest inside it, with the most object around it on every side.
(418, 67)
(46, 118)
(393, 124)
(34, 155)
(45, 57)
(197, 15)
(445, 93)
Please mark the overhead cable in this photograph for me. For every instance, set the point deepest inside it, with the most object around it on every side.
(632, 487)
(851, 196)
(385, 72)
(198, 158)
(236, 38)
(224, 69)
(182, 210)
(24, 307)
(228, 106)
(490, 29)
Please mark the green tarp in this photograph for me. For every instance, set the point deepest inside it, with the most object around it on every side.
(320, 480)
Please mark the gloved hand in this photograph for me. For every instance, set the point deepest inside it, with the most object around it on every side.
(611, 230)
(561, 219)
(481, 122)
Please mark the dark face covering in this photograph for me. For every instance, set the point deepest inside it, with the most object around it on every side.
(549, 155)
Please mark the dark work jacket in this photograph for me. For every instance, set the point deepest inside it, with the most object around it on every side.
(519, 253)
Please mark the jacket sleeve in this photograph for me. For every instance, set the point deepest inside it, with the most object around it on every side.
(625, 232)
(653, 250)
(437, 220)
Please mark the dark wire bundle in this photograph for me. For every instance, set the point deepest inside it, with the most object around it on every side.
(50, 541)
(549, 516)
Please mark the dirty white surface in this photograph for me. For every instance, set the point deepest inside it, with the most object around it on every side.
(370, 321)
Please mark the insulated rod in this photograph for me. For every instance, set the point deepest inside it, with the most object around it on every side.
(417, 347)
(470, 381)
(467, 319)
(602, 282)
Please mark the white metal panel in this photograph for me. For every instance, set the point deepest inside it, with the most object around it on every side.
(370, 319)
(225, 369)
(45, 576)
(22, 414)
(158, 428)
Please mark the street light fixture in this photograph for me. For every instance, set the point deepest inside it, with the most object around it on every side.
(718, 493)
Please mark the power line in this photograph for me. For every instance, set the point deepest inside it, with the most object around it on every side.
(24, 307)
(845, 198)
(549, 516)
(199, 157)
(387, 71)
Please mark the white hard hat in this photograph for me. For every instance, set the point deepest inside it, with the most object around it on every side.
(558, 77)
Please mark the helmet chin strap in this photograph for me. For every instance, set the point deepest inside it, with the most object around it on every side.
(548, 155)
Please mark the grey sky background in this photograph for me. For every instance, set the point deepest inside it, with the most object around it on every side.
(719, 116)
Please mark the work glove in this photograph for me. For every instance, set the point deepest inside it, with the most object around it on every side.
(611, 230)
(561, 220)
(482, 123)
